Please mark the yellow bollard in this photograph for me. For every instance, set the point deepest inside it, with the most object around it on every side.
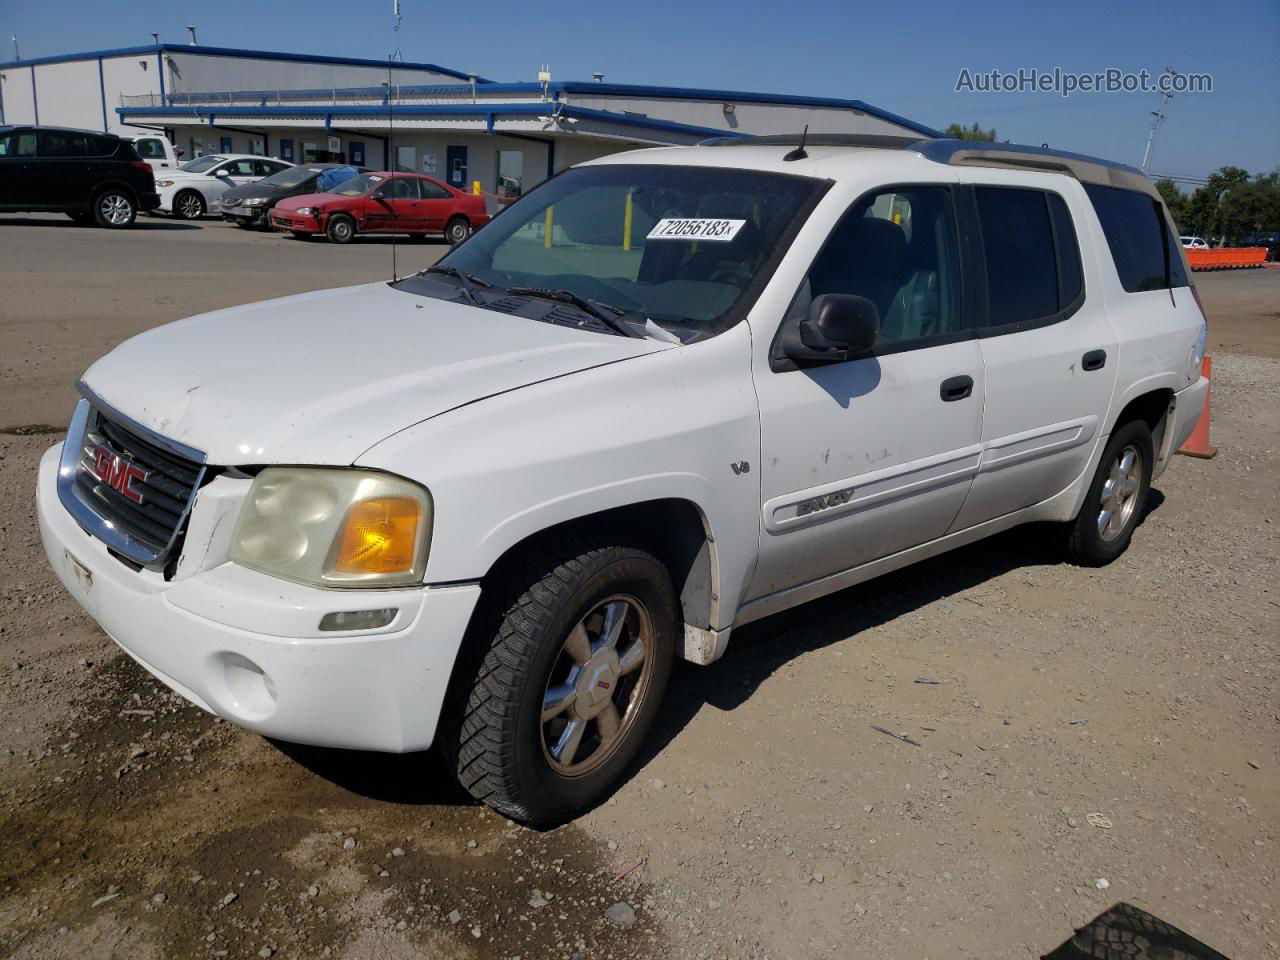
(475, 187)
(546, 240)
(626, 224)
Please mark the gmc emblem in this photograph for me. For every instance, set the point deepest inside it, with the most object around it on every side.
(118, 473)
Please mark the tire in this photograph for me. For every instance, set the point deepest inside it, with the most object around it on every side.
(340, 229)
(495, 731)
(188, 205)
(457, 230)
(1096, 538)
(114, 208)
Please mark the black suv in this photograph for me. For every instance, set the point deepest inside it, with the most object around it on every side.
(91, 177)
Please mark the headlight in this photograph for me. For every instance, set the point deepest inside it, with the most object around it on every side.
(253, 202)
(308, 211)
(164, 183)
(334, 528)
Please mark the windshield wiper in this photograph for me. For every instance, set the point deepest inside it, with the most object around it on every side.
(592, 307)
(468, 282)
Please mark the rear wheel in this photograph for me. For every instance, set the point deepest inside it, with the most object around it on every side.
(457, 230)
(188, 205)
(561, 679)
(114, 208)
(1114, 504)
(341, 229)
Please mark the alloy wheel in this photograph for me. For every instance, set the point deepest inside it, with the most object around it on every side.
(189, 205)
(115, 208)
(1120, 493)
(600, 677)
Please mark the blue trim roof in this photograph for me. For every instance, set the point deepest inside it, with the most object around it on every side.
(213, 113)
(232, 52)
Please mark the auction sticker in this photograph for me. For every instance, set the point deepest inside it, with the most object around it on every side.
(695, 229)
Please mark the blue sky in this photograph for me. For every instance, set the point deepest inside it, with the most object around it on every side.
(902, 57)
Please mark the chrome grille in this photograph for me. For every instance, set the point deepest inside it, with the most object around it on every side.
(126, 485)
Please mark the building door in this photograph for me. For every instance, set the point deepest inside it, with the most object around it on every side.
(455, 159)
(286, 149)
(356, 152)
(224, 144)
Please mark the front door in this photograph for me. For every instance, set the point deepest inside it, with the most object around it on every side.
(395, 207)
(1050, 353)
(874, 455)
(455, 159)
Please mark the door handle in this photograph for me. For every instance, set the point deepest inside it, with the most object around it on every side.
(955, 388)
(1094, 360)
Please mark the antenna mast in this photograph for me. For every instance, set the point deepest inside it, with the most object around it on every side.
(1158, 117)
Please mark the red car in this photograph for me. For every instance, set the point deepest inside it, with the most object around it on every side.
(382, 203)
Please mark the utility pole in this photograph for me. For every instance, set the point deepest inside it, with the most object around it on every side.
(1158, 116)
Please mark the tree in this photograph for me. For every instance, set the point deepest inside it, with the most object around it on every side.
(960, 132)
(1177, 203)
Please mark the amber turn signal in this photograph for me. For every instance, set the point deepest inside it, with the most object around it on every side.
(379, 536)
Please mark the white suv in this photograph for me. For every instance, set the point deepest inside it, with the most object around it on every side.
(665, 394)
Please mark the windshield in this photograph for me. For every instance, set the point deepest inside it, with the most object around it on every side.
(201, 164)
(357, 185)
(676, 245)
(291, 177)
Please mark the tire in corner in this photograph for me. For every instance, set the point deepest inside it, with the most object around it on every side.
(340, 229)
(1116, 498)
(457, 230)
(114, 208)
(495, 730)
(188, 205)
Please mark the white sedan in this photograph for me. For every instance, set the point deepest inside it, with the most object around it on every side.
(195, 188)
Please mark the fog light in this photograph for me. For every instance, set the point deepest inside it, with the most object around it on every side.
(358, 619)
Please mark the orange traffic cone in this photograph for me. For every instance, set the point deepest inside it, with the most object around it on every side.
(1197, 444)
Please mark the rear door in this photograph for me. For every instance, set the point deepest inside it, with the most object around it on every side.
(1048, 349)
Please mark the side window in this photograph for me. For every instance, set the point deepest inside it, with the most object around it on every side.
(433, 191)
(150, 149)
(1022, 272)
(63, 144)
(102, 146)
(898, 249)
(1070, 273)
(240, 168)
(263, 169)
(404, 188)
(8, 141)
(1141, 243)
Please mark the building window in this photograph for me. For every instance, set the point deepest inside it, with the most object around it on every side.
(510, 173)
(224, 145)
(256, 147)
(309, 152)
(406, 159)
(197, 147)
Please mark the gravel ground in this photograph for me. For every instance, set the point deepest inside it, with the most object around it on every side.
(1095, 736)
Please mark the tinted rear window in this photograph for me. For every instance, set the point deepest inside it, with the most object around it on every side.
(1070, 274)
(1141, 244)
(1022, 275)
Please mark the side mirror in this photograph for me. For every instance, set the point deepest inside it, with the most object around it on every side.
(179, 152)
(222, 172)
(839, 326)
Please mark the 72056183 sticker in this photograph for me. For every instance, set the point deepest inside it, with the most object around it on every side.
(698, 228)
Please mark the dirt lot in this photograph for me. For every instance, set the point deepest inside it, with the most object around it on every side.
(768, 819)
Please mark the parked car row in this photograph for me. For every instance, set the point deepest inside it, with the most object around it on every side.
(104, 179)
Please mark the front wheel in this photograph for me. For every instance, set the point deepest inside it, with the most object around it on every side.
(341, 229)
(1113, 506)
(562, 677)
(457, 230)
(188, 205)
(114, 208)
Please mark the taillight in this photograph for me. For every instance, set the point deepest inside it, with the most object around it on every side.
(141, 165)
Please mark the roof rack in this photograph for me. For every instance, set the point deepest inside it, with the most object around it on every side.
(971, 153)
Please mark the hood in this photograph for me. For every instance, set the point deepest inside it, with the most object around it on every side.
(256, 189)
(320, 377)
(310, 200)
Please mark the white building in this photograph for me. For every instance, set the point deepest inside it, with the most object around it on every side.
(419, 116)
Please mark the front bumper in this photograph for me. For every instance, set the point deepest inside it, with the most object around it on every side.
(246, 646)
(254, 216)
(293, 221)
